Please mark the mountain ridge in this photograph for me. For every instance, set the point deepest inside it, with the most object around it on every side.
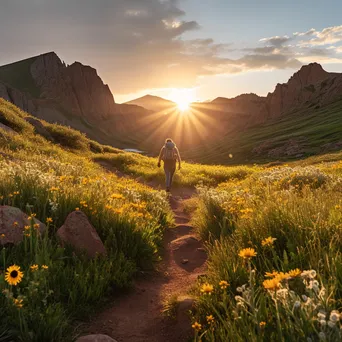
(75, 95)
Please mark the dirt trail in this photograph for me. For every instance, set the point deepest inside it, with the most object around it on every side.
(137, 316)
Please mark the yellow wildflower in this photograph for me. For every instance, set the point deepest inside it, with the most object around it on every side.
(45, 267)
(271, 284)
(210, 319)
(268, 241)
(247, 253)
(18, 303)
(294, 273)
(49, 220)
(26, 227)
(13, 275)
(262, 324)
(36, 226)
(15, 224)
(197, 326)
(271, 274)
(34, 267)
(223, 284)
(207, 288)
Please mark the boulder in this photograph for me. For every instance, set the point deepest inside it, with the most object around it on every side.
(95, 338)
(7, 129)
(12, 223)
(78, 232)
(39, 128)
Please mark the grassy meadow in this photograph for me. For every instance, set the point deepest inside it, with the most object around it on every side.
(48, 182)
(275, 264)
(273, 235)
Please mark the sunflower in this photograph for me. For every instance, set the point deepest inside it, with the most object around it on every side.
(13, 275)
(247, 253)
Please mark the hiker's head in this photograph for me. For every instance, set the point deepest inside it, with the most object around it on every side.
(169, 143)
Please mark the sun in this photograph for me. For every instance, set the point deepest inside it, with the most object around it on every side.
(182, 98)
(183, 105)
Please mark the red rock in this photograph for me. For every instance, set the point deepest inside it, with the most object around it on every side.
(79, 233)
(13, 233)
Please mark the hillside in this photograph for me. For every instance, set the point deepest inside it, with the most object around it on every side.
(73, 236)
(296, 135)
(75, 96)
(154, 103)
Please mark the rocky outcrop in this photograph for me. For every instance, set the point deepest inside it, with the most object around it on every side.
(76, 89)
(39, 128)
(23, 100)
(300, 88)
(6, 128)
(78, 232)
(310, 86)
(95, 338)
(12, 225)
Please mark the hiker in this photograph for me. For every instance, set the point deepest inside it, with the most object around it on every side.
(169, 154)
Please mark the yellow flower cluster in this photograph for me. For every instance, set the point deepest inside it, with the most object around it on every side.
(278, 277)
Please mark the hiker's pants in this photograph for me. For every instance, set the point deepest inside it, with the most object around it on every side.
(169, 169)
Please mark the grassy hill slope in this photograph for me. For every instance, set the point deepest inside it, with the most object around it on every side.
(307, 130)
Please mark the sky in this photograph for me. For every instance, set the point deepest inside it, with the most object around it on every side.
(171, 48)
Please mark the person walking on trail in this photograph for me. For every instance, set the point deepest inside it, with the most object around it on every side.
(170, 155)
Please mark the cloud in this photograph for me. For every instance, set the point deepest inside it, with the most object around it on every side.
(141, 44)
(329, 35)
(276, 40)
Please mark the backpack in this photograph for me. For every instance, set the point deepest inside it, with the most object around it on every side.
(169, 153)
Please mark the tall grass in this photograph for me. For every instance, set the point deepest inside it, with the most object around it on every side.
(292, 219)
(190, 175)
(60, 285)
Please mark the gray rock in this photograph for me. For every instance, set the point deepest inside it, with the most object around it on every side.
(39, 128)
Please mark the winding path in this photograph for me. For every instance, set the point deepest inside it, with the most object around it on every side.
(137, 316)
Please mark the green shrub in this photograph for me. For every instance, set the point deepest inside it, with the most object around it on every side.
(68, 137)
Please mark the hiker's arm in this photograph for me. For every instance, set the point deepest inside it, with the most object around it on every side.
(160, 156)
(178, 158)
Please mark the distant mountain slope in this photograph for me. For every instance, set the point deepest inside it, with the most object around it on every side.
(302, 133)
(154, 103)
(76, 96)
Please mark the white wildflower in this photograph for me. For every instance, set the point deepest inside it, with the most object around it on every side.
(334, 316)
(321, 336)
(296, 304)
